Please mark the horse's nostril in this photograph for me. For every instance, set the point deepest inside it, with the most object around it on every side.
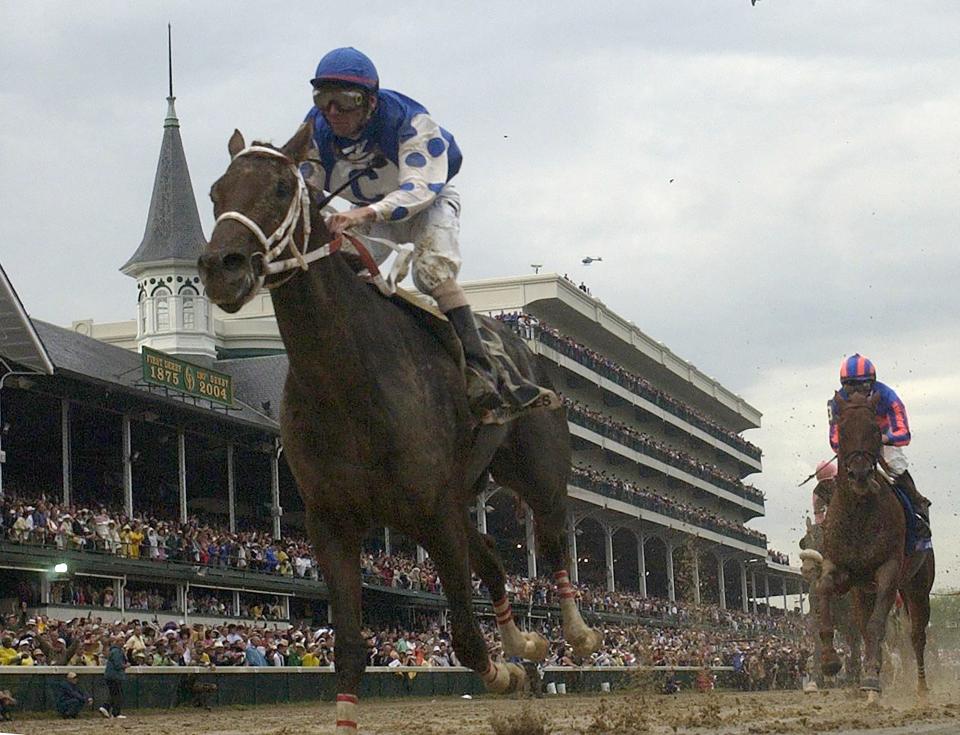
(234, 261)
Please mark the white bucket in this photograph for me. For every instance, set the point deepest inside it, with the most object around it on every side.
(551, 688)
(561, 688)
(604, 686)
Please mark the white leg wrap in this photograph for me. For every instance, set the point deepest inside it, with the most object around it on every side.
(531, 646)
(346, 714)
(578, 634)
(504, 678)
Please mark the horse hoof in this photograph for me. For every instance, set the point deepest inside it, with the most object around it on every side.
(587, 643)
(870, 684)
(536, 647)
(831, 668)
(873, 697)
(518, 679)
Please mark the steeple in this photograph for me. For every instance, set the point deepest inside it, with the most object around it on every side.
(173, 312)
(173, 230)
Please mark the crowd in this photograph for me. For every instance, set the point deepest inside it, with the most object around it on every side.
(31, 521)
(606, 484)
(144, 537)
(533, 328)
(85, 641)
(622, 433)
(778, 556)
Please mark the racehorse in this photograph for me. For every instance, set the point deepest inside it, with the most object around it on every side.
(811, 557)
(374, 418)
(865, 549)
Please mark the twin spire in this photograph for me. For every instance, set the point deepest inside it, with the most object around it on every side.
(173, 231)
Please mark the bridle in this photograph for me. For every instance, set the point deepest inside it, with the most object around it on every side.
(266, 263)
(843, 460)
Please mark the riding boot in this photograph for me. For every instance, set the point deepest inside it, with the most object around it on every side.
(481, 377)
(920, 503)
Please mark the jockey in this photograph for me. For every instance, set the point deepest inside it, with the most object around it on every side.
(823, 492)
(858, 375)
(403, 162)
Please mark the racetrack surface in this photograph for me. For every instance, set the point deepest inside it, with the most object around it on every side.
(633, 713)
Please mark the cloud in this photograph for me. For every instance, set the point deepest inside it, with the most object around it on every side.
(770, 187)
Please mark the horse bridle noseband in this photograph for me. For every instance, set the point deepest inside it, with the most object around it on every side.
(299, 213)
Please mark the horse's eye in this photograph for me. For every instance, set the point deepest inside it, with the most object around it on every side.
(283, 189)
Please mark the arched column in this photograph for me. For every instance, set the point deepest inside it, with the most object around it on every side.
(608, 531)
(641, 564)
(744, 597)
(531, 542)
(695, 573)
(721, 583)
(671, 582)
(572, 546)
(766, 591)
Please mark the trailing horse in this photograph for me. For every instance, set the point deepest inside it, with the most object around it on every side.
(864, 548)
(374, 419)
(811, 557)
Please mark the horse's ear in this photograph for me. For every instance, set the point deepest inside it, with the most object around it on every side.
(296, 148)
(236, 144)
(809, 524)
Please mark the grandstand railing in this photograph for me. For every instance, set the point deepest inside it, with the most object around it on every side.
(643, 501)
(654, 396)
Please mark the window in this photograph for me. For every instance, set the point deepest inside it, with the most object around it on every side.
(161, 299)
(189, 303)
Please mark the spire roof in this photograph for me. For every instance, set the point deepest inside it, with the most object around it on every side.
(173, 231)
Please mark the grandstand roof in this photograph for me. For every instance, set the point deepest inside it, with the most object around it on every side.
(19, 341)
(257, 380)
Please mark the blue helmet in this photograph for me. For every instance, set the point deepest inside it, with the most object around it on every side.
(348, 66)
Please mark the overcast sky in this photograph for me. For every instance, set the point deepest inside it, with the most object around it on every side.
(770, 187)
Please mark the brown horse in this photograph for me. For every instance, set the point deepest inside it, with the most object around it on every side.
(375, 423)
(864, 548)
(811, 558)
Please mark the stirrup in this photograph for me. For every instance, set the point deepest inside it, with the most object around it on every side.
(481, 391)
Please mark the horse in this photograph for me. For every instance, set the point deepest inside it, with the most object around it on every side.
(811, 557)
(374, 418)
(864, 549)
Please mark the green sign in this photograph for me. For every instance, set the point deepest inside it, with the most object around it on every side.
(183, 376)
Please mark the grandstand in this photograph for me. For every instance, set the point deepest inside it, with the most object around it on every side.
(659, 507)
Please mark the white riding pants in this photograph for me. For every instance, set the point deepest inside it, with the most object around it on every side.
(896, 460)
(435, 235)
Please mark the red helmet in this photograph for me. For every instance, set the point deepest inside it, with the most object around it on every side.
(826, 470)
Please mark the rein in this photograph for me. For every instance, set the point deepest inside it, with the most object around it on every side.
(283, 238)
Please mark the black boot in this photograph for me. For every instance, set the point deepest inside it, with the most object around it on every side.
(920, 503)
(481, 378)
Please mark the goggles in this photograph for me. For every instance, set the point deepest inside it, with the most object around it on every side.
(858, 386)
(346, 100)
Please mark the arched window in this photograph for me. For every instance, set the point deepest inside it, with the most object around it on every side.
(161, 299)
(189, 303)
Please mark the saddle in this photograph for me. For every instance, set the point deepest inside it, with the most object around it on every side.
(520, 394)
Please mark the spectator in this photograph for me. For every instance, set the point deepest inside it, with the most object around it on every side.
(115, 674)
(7, 703)
(71, 698)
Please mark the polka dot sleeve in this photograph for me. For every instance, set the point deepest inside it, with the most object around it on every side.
(422, 160)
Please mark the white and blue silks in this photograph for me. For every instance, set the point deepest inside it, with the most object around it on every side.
(409, 161)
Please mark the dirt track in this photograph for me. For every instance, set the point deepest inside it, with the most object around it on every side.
(619, 713)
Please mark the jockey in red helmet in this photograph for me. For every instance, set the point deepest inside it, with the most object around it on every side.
(398, 163)
(823, 492)
(858, 375)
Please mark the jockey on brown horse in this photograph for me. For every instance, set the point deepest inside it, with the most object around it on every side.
(858, 375)
(394, 164)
